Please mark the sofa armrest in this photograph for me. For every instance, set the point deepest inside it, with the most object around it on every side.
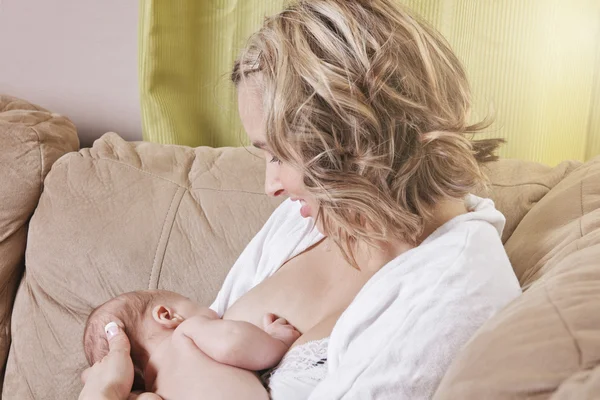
(31, 140)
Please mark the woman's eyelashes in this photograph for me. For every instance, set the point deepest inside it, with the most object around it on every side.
(275, 159)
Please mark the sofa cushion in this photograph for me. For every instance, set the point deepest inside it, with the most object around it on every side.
(517, 185)
(547, 235)
(584, 385)
(31, 139)
(551, 334)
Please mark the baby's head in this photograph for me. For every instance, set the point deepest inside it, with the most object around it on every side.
(146, 316)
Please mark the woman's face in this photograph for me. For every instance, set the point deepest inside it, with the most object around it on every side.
(280, 178)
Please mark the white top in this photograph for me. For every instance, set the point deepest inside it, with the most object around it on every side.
(406, 325)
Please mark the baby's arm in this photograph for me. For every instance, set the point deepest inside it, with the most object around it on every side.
(237, 343)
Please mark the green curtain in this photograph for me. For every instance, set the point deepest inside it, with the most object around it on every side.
(186, 50)
(535, 63)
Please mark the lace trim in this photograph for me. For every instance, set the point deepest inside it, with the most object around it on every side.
(306, 361)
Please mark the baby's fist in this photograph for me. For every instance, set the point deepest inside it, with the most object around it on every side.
(280, 329)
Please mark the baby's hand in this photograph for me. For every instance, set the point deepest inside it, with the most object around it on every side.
(280, 329)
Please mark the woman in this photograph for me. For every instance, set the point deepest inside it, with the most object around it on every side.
(381, 258)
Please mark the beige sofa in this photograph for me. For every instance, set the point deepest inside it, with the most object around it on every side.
(122, 216)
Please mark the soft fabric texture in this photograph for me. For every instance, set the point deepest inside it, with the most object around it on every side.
(546, 344)
(406, 325)
(31, 139)
(124, 216)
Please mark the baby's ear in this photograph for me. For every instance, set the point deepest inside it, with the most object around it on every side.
(166, 317)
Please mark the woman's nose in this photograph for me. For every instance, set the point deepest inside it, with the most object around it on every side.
(273, 185)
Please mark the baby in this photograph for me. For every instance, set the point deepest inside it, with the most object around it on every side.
(181, 350)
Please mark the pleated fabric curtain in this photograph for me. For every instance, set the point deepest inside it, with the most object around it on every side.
(535, 63)
(186, 51)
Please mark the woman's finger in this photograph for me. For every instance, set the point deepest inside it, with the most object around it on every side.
(117, 339)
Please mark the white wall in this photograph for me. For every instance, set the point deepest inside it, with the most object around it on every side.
(74, 57)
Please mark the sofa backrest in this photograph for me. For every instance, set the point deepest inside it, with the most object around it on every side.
(31, 139)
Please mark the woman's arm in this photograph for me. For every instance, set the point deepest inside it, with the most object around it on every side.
(237, 343)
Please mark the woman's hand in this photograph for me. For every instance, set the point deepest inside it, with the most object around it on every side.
(112, 377)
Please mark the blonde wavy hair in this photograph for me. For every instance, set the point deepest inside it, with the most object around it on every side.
(372, 105)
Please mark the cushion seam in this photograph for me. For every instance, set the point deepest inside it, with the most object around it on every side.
(521, 184)
(581, 204)
(566, 326)
(41, 122)
(156, 268)
(39, 140)
(7, 105)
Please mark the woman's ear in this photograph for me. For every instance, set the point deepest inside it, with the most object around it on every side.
(166, 317)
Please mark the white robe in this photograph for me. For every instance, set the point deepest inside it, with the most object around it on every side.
(406, 325)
